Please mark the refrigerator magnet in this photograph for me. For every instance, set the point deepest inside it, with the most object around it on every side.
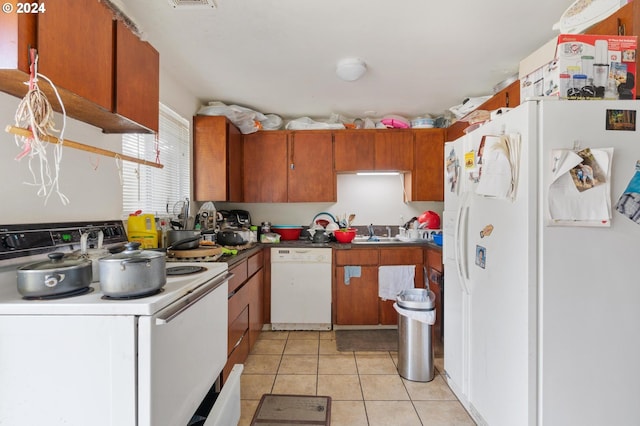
(481, 256)
(486, 231)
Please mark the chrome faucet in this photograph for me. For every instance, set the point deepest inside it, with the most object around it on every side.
(388, 228)
(372, 236)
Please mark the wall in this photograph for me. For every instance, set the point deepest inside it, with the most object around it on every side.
(373, 199)
(89, 181)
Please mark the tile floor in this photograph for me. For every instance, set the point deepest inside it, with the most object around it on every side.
(365, 387)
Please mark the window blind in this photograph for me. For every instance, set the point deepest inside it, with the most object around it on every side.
(150, 189)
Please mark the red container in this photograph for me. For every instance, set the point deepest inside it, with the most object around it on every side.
(345, 236)
(287, 233)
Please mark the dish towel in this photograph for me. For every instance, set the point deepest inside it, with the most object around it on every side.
(351, 271)
(393, 279)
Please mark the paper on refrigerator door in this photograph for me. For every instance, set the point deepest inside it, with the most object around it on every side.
(569, 206)
(499, 174)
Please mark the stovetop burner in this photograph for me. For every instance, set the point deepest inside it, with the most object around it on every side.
(134, 297)
(78, 292)
(185, 270)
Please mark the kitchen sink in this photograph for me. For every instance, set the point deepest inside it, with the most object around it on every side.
(364, 239)
(378, 240)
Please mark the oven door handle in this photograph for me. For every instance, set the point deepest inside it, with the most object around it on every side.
(172, 312)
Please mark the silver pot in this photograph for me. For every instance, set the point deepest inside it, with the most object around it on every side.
(55, 276)
(133, 272)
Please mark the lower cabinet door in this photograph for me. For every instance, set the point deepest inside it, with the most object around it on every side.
(357, 301)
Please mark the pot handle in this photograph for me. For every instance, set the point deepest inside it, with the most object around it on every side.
(184, 241)
(53, 280)
(134, 260)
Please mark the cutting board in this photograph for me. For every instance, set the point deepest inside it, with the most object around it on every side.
(202, 251)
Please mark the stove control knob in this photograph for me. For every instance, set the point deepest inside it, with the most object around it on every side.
(11, 241)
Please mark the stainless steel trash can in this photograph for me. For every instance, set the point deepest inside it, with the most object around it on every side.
(415, 349)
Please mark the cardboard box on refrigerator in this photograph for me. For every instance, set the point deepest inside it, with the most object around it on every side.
(581, 66)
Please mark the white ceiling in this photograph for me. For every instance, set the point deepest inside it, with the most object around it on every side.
(279, 56)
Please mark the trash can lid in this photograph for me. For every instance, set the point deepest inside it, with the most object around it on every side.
(419, 299)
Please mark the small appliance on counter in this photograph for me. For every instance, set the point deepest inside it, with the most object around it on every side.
(242, 218)
(234, 219)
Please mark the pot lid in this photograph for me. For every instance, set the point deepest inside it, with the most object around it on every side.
(132, 251)
(56, 261)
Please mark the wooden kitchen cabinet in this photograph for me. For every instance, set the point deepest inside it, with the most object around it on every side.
(265, 167)
(245, 310)
(217, 159)
(310, 173)
(137, 79)
(17, 33)
(75, 49)
(435, 270)
(426, 180)
(354, 150)
(105, 75)
(256, 296)
(358, 303)
(394, 150)
(282, 166)
(373, 150)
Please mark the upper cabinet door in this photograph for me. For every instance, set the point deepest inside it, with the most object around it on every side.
(265, 167)
(217, 159)
(354, 150)
(394, 150)
(76, 49)
(428, 174)
(137, 78)
(311, 176)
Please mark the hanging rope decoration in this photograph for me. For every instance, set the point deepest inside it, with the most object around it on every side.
(35, 113)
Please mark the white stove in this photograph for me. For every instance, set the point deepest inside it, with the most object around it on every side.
(84, 359)
(94, 303)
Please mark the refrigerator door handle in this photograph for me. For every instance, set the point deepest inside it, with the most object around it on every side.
(461, 242)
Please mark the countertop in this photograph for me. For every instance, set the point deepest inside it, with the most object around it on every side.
(231, 260)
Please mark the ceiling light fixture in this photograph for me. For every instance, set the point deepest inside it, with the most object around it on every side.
(351, 69)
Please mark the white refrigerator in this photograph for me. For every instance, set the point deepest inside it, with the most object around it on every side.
(542, 300)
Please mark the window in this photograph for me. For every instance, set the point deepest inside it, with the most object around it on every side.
(151, 189)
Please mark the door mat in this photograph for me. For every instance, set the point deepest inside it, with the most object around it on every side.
(277, 410)
(367, 340)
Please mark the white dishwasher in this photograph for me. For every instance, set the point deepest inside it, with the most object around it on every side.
(301, 288)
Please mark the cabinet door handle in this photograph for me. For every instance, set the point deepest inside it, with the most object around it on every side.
(292, 154)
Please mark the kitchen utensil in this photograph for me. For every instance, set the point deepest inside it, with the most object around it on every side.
(323, 218)
(233, 237)
(132, 272)
(350, 220)
(287, 232)
(183, 239)
(345, 235)
(430, 218)
(53, 277)
(320, 237)
(186, 244)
